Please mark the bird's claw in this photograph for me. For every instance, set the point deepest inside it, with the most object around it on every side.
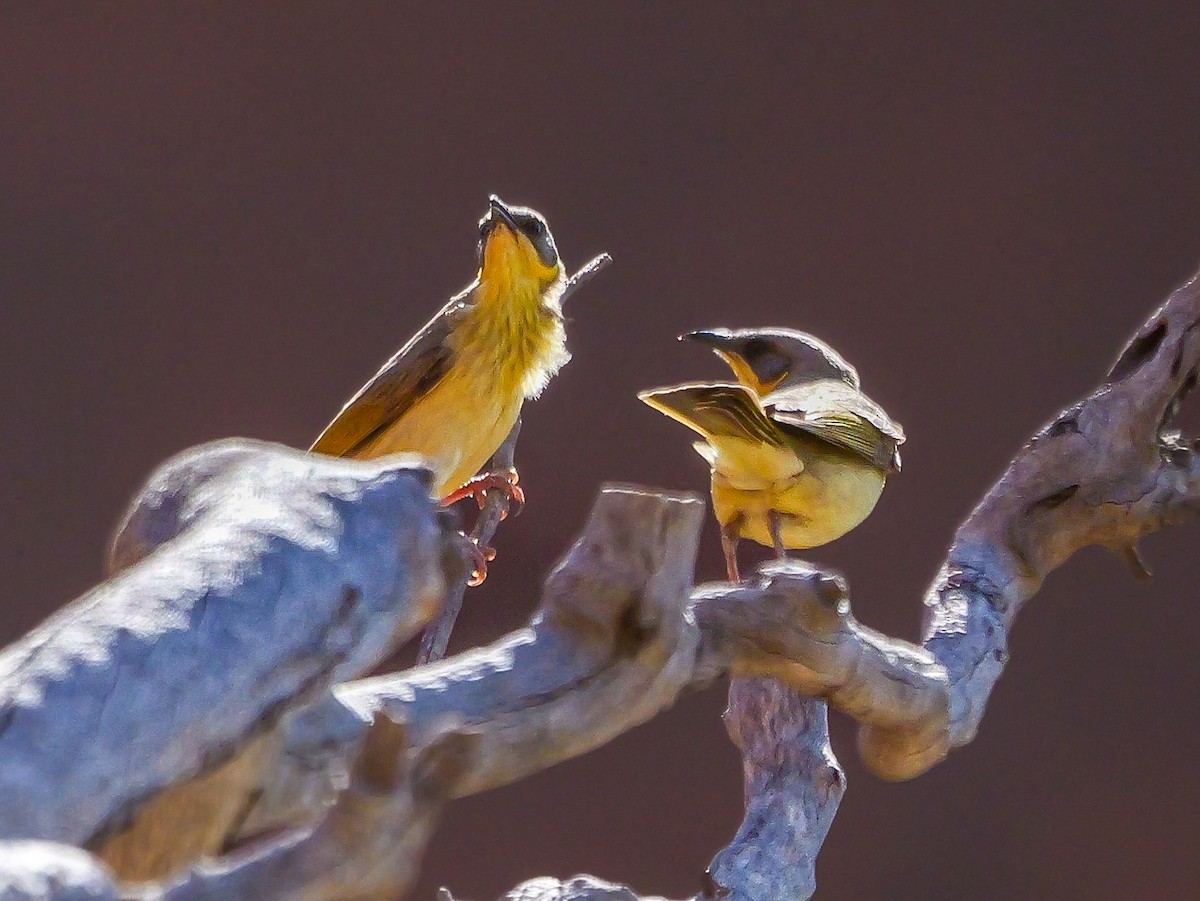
(481, 485)
(481, 556)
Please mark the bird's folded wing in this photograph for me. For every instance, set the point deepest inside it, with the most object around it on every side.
(404, 379)
(835, 412)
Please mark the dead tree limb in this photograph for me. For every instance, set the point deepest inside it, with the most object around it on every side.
(322, 790)
(1107, 471)
(610, 647)
(248, 579)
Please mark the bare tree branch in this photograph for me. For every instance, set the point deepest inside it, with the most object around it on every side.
(194, 696)
(610, 647)
(586, 273)
(251, 578)
(616, 640)
(1107, 471)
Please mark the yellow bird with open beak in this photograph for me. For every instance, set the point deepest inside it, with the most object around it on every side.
(453, 393)
(798, 454)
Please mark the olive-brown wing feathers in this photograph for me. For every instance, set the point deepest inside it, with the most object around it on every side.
(404, 379)
(841, 415)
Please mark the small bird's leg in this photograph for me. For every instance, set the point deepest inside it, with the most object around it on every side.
(775, 524)
(480, 485)
(481, 555)
(729, 543)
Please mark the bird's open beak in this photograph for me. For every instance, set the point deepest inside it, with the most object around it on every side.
(502, 213)
(728, 347)
(718, 339)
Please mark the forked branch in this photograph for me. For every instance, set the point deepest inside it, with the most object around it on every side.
(316, 790)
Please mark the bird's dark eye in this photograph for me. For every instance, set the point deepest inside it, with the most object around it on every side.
(755, 347)
(765, 358)
(539, 236)
(532, 226)
(771, 366)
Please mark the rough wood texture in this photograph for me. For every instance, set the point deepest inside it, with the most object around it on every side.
(1106, 471)
(610, 646)
(253, 580)
(250, 577)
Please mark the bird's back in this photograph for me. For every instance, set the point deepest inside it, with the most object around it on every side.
(455, 390)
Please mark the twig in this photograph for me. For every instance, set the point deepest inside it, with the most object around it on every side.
(437, 636)
(586, 273)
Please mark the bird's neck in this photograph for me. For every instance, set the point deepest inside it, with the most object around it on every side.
(517, 333)
(509, 294)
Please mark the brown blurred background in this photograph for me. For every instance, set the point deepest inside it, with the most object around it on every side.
(219, 220)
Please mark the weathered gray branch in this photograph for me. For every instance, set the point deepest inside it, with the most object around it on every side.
(611, 646)
(615, 641)
(1107, 471)
(195, 704)
(249, 578)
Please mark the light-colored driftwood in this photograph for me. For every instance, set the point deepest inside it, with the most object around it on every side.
(611, 646)
(1106, 471)
(248, 578)
(252, 581)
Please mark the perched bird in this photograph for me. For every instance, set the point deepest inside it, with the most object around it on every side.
(798, 454)
(454, 391)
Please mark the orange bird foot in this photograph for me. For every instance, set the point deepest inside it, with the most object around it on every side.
(481, 556)
(479, 487)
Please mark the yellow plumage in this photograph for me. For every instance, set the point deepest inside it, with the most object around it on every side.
(454, 391)
(827, 494)
(798, 455)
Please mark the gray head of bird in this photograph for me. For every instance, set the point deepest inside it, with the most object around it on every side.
(767, 359)
(515, 243)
